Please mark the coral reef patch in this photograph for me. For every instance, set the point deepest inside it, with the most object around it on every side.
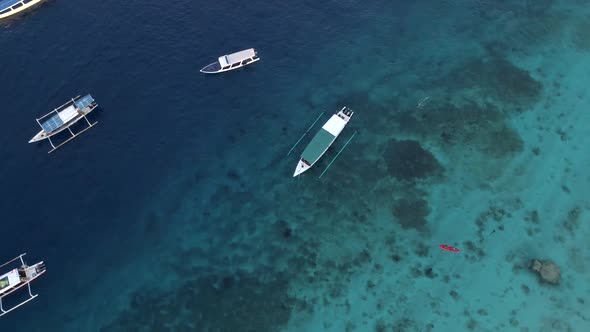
(482, 127)
(497, 77)
(407, 160)
(411, 213)
(210, 303)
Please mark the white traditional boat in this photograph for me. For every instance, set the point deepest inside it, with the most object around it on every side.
(323, 140)
(231, 61)
(18, 277)
(13, 7)
(63, 117)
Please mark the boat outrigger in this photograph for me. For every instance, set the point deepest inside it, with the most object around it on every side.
(231, 61)
(13, 7)
(63, 117)
(18, 277)
(323, 140)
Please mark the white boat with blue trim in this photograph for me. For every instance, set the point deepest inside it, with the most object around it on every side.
(231, 61)
(17, 277)
(13, 7)
(63, 117)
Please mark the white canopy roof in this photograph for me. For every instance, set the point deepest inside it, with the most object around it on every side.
(68, 113)
(230, 59)
(223, 61)
(335, 125)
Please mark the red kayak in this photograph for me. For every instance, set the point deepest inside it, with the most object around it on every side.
(449, 248)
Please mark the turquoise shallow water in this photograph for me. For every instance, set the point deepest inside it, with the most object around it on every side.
(178, 212)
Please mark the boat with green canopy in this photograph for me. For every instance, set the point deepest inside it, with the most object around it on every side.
(323, 140)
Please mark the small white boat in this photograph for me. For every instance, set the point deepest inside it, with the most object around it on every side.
(63, 117)
(18, 277)
(231, 61)
(13, 7)
(323, 140)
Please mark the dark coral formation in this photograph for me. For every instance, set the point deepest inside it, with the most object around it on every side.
(497, 77)
(284, 229)
(581, 35)
(213, 303)
(483, 128)
(408, 161)
(475, 251)
(572, 221)
(405, 324)
(493, 213)
(411, 213)
(471, 108)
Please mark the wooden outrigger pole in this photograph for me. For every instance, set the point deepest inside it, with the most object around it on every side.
(63, 118)
(17, 278)
(336, 156)
(323, 139)
(73, 135)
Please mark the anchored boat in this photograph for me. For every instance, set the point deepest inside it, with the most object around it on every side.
(18, 277)
(323, 139)
(12, 7)
(63, 117)
(231, 61)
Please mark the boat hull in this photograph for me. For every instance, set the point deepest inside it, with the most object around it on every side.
(302, 166)
(211, 68)
(81, 113)
(23, 7)
(43, 135)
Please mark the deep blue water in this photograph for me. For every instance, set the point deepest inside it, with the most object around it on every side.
(81, 207)
(178, 212)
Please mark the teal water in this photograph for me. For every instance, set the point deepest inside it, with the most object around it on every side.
(178, 212)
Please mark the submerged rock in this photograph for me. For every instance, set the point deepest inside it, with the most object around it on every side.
(547, 270)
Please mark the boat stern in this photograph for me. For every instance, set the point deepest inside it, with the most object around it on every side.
(302, 166)
(345, 113)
